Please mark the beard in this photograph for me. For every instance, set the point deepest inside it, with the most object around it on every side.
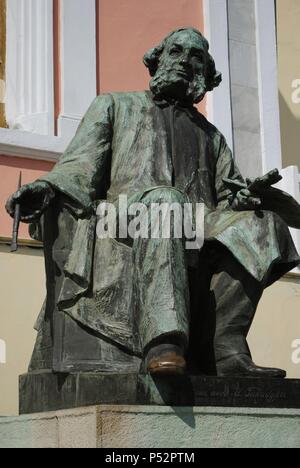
(168, 84)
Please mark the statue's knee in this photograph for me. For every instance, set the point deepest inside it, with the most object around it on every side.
(165, 195)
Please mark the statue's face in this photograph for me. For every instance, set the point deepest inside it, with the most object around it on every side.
(182, 68)
(184, 57)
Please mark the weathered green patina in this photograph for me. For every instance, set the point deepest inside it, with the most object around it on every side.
(109, 300)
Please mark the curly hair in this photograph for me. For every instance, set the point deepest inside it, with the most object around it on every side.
(151, 59)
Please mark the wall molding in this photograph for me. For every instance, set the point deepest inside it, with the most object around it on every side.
(290, 184)
(27, 145)
(2, 61)
(268, 84)
(219, 101)
(68, 124)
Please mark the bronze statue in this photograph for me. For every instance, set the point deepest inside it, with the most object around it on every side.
(149, 305)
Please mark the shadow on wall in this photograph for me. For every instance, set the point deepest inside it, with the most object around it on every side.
(290, 134)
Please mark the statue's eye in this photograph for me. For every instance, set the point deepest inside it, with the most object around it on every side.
(175, 51)
(199, 56)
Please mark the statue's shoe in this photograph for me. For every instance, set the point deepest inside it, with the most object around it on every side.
(166, 360)
(241, 365)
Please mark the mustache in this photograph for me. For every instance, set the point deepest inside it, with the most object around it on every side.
(165, 71)
(189, 75)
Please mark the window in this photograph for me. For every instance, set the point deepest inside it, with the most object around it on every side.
(51, 64)
(29, 66)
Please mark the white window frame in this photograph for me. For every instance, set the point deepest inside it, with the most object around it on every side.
(29, 83)
(78, 62)
(30, 77)
(29, 66)
(268, 84)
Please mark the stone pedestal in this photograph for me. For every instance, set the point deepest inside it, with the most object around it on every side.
(153, 427)
(41, 392)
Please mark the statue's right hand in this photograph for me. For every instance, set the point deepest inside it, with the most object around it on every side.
(33, 198)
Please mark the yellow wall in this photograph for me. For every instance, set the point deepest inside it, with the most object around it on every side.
(288, 26)
(277, 326)
(22, 291)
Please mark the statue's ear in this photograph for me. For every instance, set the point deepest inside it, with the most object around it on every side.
(213, 77)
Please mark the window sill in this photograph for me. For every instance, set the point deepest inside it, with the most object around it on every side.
(29, 145)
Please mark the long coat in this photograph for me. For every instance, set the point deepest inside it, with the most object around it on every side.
(128, 143)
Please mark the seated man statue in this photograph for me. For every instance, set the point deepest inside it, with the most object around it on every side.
(150, 304)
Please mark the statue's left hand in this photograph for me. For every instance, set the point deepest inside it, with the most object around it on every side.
(250, 196)
(245, 200)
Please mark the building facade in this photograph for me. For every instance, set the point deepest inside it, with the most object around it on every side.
(57, 55)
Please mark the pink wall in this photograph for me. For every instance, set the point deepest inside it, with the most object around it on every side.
(128, 28)
(10, 168)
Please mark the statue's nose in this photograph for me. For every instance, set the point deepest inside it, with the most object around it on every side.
(184, 61)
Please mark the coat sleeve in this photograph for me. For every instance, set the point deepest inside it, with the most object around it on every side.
(82, 173)
(225, 168)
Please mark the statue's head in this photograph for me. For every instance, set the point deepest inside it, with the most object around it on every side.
(182, 67)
